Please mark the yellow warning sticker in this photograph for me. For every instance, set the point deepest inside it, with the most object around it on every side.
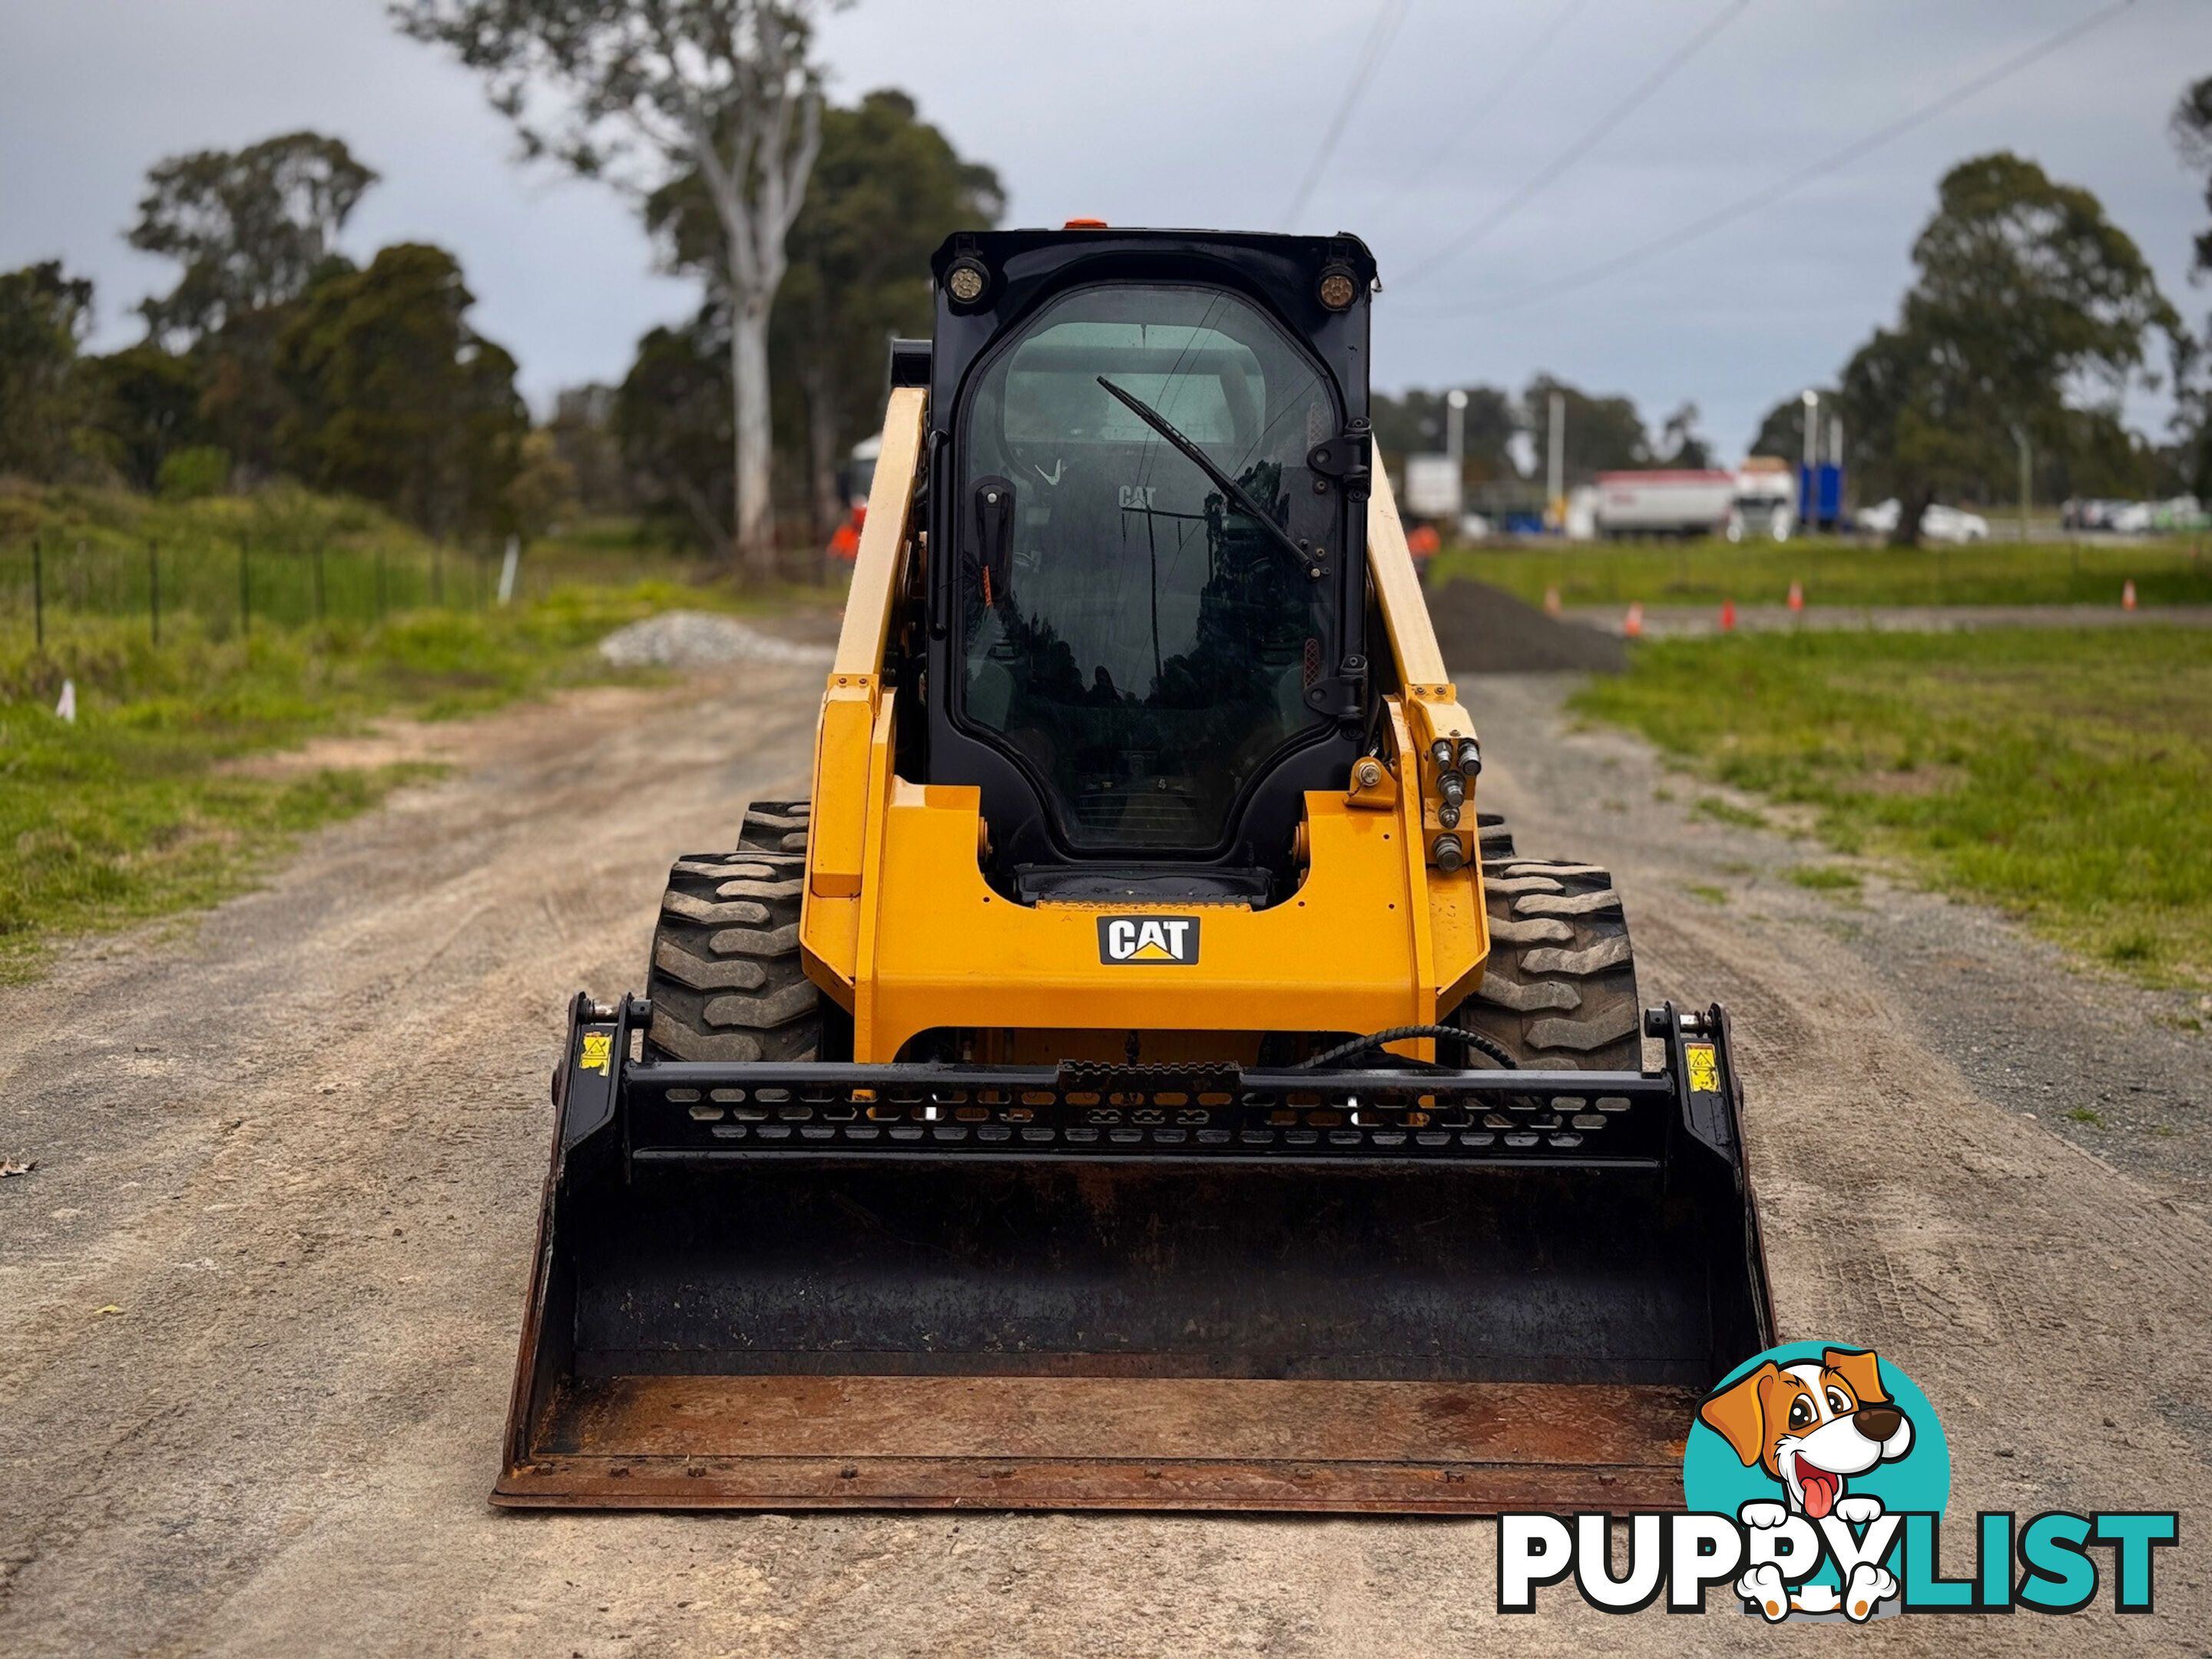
(1704, 1068)
(599, 1052)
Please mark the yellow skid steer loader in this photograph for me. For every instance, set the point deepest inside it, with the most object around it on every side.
(1138, 1076)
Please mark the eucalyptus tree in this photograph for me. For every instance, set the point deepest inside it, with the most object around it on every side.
(251, 227)
(889, 187)
(44, 314)
(2192, 129)
(2029, 316)
(395, 397)
(640, 92)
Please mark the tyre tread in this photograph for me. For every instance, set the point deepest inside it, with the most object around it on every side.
(1560, 991)
(725, 978)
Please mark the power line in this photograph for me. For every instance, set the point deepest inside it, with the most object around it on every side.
(1371, 59)
(1582, 146)
(1819, 169)
(1486, 107)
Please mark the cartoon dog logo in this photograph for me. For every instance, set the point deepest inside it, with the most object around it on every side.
(1812, 1427)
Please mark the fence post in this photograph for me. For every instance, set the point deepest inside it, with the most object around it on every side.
(154, 586)
(245, 591)
(319, 584)
(39, 589)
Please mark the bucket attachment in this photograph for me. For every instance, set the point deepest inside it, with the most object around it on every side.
(790, 1286)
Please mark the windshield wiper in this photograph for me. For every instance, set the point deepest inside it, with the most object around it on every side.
(1198, 457)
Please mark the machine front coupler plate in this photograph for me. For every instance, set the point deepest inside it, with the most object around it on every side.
(669, 1112)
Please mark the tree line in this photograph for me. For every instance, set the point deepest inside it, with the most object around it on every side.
(2029, 317)
(275, 355)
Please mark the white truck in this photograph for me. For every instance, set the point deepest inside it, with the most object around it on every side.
(1676, 502)
(1766, 501)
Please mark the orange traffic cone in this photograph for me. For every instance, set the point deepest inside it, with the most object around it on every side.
(1631, 625)
(2128, 595)
(1551, 601)
(1797, 598)
(1728, 616)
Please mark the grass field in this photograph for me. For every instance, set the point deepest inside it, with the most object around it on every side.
(279, 556)
(128, 813)
(1832, 572)
(2065, 776)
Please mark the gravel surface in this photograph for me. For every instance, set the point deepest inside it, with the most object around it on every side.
(264, 1287)
(699, 639)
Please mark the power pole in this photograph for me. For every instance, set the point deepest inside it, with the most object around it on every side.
(1455, 447)
(2027, 480)
(1808, 482)
(1555, 459)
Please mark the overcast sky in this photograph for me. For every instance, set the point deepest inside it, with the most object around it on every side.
(1211, 112)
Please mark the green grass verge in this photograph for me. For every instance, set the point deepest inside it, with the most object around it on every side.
(1837, 573)
(279, 556)
(2063, 775)
(129, 813)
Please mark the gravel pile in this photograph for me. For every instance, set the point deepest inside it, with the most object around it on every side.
(1485, 630)
(697, 639)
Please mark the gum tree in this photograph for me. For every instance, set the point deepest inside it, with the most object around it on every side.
(889, 187)
(44, 313)
(251, 230)
(2029, 315)
(249, 227)
(395, 399)
(638, 92)
(2192, 129)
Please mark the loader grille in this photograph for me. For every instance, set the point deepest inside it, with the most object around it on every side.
(692, 1113)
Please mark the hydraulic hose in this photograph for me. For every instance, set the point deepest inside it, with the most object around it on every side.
(1397, 1033)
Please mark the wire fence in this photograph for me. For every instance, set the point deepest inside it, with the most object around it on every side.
(231, 584)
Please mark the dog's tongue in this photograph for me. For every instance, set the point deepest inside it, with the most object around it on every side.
(1820, 1489)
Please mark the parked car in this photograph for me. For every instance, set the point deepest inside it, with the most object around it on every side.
(1938, 524)
(2090, 515)
(2134, 517)
(1950, 523)
(2182, 512)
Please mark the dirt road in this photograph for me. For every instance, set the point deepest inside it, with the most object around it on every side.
(261, 1293)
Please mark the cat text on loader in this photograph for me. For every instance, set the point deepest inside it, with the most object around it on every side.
(1138, 1077)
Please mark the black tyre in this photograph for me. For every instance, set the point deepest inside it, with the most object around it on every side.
(725, 979)
(1560, 991)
